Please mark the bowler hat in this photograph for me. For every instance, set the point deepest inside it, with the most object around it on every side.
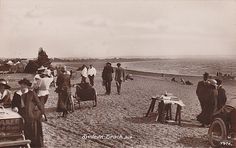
(25, 81)
(4, 83)
(206, 74)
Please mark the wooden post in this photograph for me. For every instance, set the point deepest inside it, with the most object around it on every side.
(178, 114)
(152, 105)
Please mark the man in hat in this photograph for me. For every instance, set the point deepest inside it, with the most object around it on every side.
(119, 76)
(84, 74)
(107, 77)
(5, 95)
(203, 94)
(91, 74)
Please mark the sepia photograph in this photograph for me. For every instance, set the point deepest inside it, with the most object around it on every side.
(117, 73)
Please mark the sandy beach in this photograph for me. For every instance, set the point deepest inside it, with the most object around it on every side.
(119, 120)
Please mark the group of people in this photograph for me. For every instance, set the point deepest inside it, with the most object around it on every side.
(89, 73)
(107, 77)
(211, 96)
(29, 101)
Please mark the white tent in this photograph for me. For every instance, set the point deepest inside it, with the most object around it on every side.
(10, 62)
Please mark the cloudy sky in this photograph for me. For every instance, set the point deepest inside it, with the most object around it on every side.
(114, 28)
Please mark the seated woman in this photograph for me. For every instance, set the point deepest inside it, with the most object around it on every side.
(5, 95)
(27, 104)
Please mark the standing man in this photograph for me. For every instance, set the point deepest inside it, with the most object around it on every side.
(91, 74)
(84, 74)
(119, 76)
(107, 77)
(203, 95)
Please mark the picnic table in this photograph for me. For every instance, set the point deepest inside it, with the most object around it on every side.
(165, 103)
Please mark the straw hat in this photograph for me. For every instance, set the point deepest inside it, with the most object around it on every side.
(47, 72)
(213, 82)
(42, 68)
(4, 83)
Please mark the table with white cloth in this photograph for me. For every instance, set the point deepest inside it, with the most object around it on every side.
(165, 103)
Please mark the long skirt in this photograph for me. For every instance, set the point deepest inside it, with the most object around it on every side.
(33, 131)
(207, 114)
(63, 100)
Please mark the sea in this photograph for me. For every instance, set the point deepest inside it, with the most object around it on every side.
(190, 67)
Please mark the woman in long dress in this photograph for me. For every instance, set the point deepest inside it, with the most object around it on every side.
(64, 91)
(27, 104)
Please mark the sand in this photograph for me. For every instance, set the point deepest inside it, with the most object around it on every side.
(121, 120)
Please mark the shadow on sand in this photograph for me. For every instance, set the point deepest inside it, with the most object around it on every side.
(140, 120)
(152, 117)
(194, 141)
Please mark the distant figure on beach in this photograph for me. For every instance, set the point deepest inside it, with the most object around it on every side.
(202, 93)
(221, 95)
(71, 73)
(119, 77)
(64, 91)
(107, 77)
(5, 94)
(182, 81)
(188, 83)
(91, 74)
(129, 77)
(84, 74)
(173, 79)
(41, 85)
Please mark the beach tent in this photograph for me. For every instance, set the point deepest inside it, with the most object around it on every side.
(18, 62)
(10, 63)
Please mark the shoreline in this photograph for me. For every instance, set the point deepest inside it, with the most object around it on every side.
(156, 74)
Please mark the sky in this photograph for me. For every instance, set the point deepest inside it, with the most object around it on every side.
(118, 28)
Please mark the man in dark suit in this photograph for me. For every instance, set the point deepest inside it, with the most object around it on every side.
(203, 94)
(119, 77)
(107, 77)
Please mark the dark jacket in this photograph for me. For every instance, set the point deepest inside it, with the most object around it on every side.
(16, 101)
(119, 74)
(221, 97)
(213, 99)
(33, 109)
(63, 82)
(202, 91)
(107, 73)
